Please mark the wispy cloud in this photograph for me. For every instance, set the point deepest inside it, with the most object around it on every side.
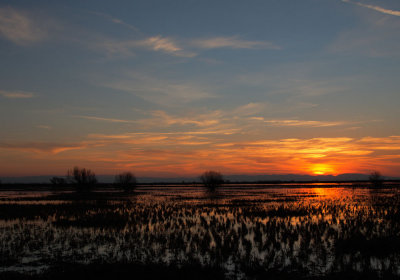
(181, 135)
(158, 119)
(375, 8)
(18, 27)
(162, 117)
(16, 94)
(155, 43)
(165, 44)
(301, 123)
(232, 42)
(105, 119)
(178, 47)
(159, 43)
(381, 140)
(41, 147)
(250, 109)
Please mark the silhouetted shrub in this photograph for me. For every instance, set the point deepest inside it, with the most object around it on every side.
(212, 179)
(82, 177)
(126, 180)
(58, 181)
(376, 179)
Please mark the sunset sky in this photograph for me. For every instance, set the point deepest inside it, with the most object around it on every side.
(173, 88)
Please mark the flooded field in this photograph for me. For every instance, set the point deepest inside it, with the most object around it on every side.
(237, 232)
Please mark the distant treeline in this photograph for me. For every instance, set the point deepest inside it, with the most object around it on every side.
(87, 178)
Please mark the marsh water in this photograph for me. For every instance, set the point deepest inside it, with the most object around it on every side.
(245, 230)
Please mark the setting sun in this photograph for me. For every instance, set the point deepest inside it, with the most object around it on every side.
(322, 169)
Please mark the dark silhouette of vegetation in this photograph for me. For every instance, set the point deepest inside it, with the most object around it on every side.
(212, 179)
(58, 181)
(126, 180)
(376, 179)
(82, 177)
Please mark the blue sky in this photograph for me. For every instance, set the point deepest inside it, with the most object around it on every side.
(177, 87)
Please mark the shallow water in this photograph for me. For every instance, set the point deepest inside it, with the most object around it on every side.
(316, 230)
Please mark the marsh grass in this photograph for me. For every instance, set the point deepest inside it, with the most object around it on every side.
(252, 237)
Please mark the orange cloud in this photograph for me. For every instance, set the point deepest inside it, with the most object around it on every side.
(16, 94)
(184, 153)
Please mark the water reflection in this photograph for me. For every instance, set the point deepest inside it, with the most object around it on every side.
(310, 230)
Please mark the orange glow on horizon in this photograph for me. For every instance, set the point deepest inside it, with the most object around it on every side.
(173, 156)
(322, 169)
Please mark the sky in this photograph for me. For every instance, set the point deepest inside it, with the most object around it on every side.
(172, 88)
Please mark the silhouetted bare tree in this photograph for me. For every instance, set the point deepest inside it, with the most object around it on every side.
(376, 179)
(82, 177)
(126, 180)
(212, 179)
